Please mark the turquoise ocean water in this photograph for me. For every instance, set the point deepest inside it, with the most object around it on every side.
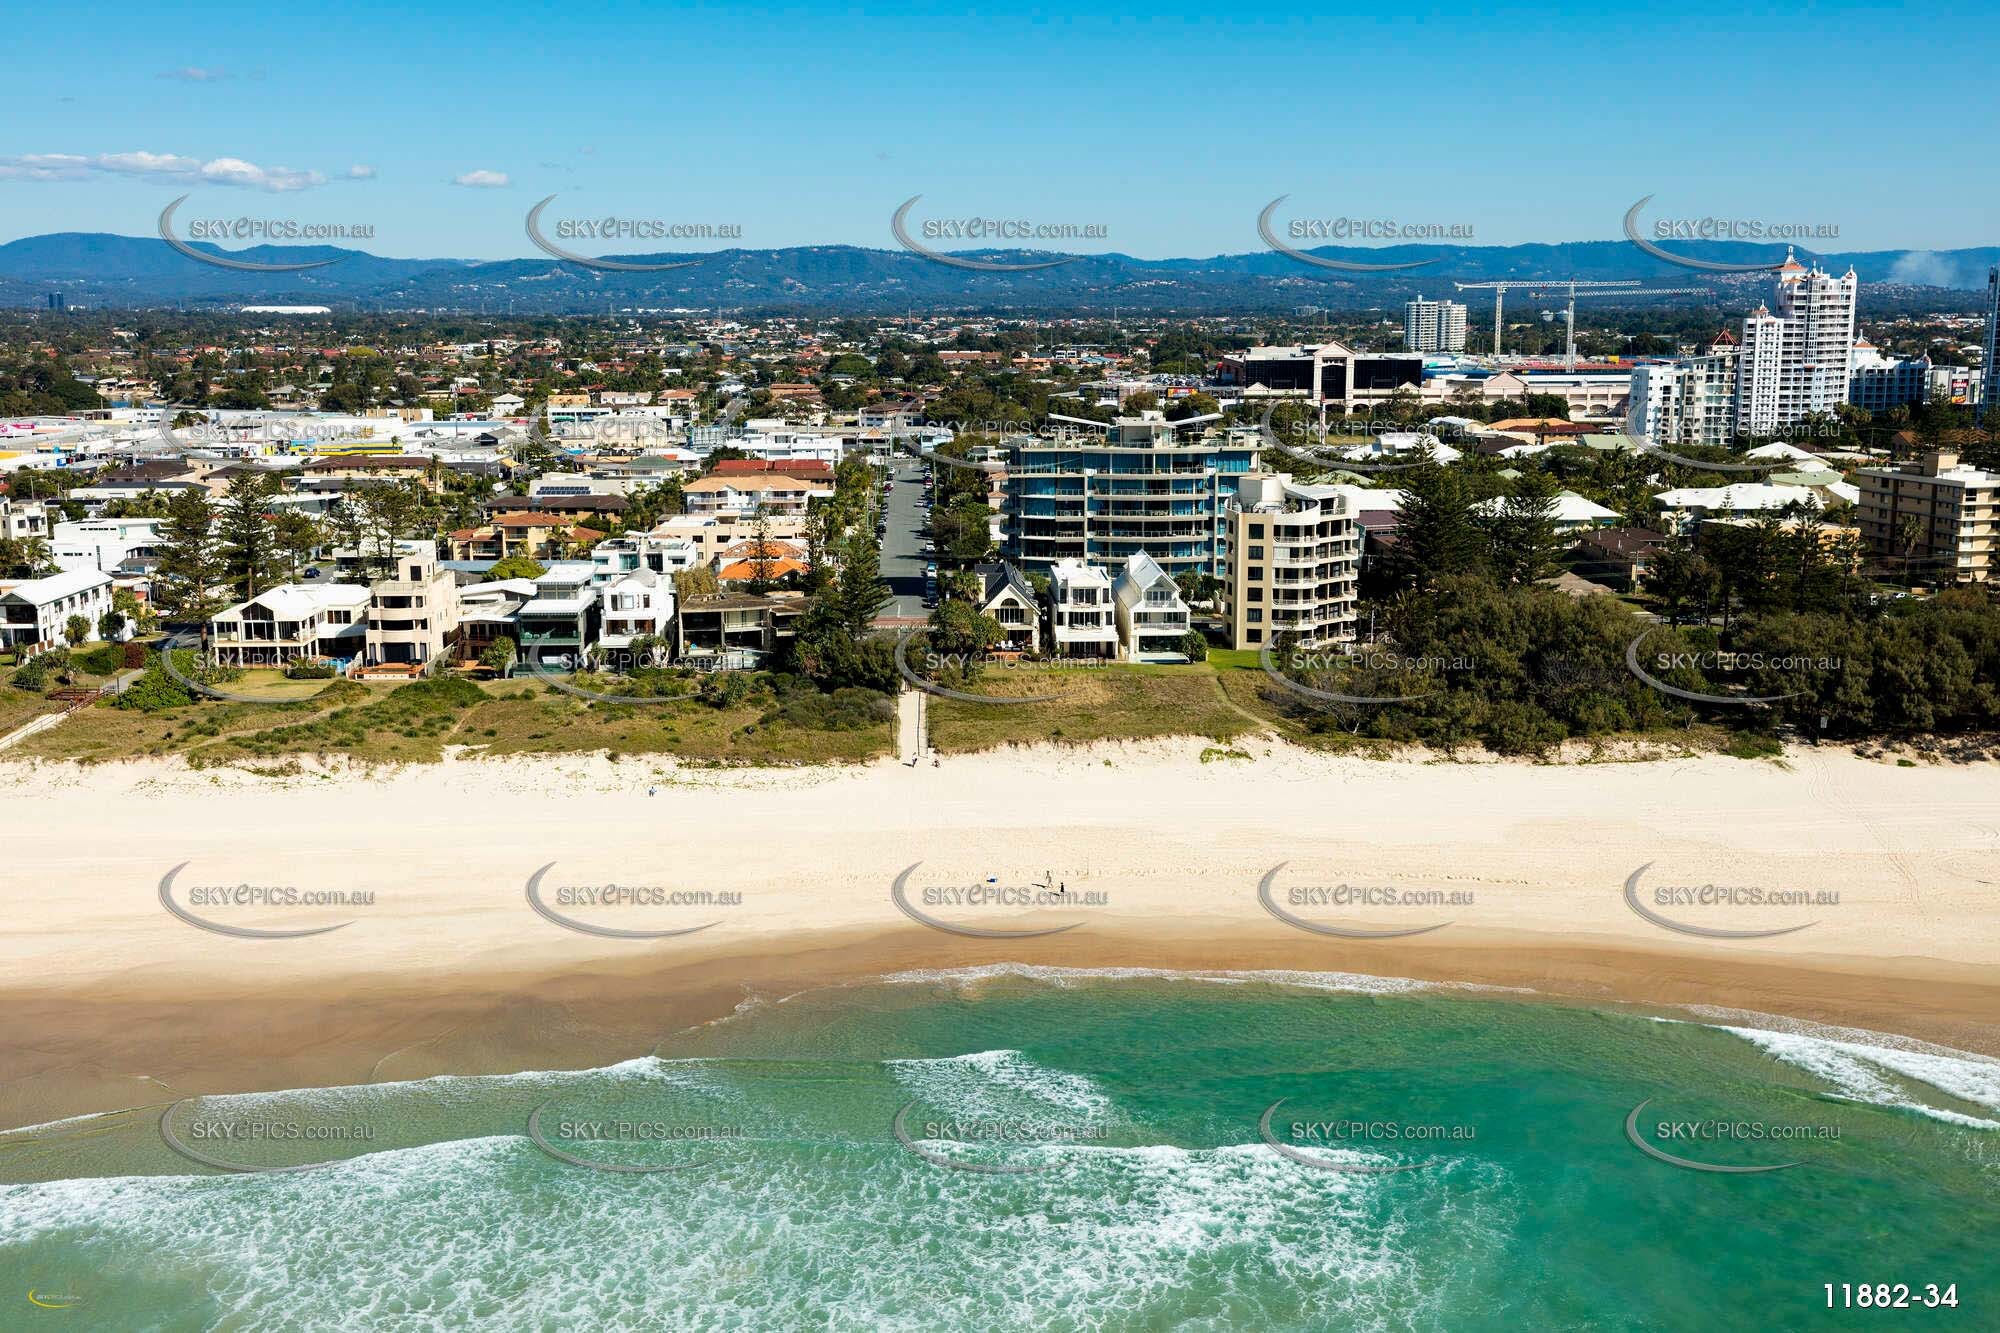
(1123, 1175)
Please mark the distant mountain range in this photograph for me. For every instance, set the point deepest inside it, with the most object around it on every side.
(99, 269)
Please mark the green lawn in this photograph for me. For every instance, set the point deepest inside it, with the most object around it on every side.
(1119, 702)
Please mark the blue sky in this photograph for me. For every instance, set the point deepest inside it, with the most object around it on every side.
(1171, 129)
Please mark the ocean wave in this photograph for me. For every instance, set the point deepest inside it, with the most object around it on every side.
(997, 1082)
(1861, 1072)
(1346, 983)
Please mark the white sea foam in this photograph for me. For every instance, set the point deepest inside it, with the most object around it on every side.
(1861, 1071)
(1347, 983)
(998, 1082)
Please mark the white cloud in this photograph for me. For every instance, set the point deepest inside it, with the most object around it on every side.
(482, 180)
(195, 74)
(170, 167)
(357, 172)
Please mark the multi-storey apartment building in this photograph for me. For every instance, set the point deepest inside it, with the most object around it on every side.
(1101, 493)
(1795, 355)
(1879, 383)
(1433, 326)
(1691, 401)
(1943, 518)
(1294, 555)
(1990, 367)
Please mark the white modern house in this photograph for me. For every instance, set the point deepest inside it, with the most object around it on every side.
(413, 613)
(1686, 505)
(1082, 618)
(1152, 618)
(292, 621)
(110, 545)
(659, 553)
(636, 604)
(35, 612)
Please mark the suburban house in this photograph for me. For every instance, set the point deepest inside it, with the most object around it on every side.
(22, 520)
(560, 620)
(636, 604)
(1152, 617)
(711, 534)
(768, 493)
(1685, 506)
(488, 612)
(1082, 622)
(35, 612)
(291, 622)
(1573, 513)
(748, 561)
(736, 628)
(413, 613)
(641, 550)
(538, 536)
(1004, 593)
(1620, 557)
(129, 546)
(345, 472)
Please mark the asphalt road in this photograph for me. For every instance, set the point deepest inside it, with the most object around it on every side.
(902, 544)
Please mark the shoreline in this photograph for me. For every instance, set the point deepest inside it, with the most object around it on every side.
(449, 971)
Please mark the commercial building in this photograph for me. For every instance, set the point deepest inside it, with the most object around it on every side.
(1330, 376)
(1433, 326)
(1140, 485)
(1796, 354)
(1294, 555)
(1940, 516)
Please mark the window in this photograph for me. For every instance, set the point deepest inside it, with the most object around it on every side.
(1254, 636)
(1256, 553)
(1254, 616)
(1254, 594)
(1256, 532)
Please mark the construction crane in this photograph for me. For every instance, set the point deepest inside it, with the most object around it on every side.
(1500, 290)
(1574, 288)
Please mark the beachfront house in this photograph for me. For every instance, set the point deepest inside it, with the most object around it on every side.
(413, 613)
(1152, 618)
(1082, 622)
(35, 612)
(560, 621)
(1004, 593)
(637, 604)
(291, 622)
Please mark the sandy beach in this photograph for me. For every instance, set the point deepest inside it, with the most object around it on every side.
(117, 1001)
